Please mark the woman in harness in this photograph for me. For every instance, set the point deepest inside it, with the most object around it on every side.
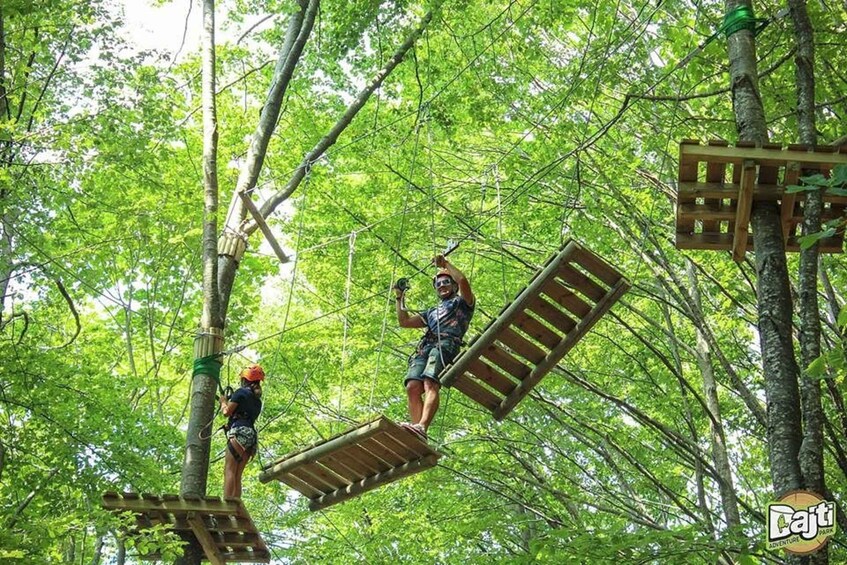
(242, 408)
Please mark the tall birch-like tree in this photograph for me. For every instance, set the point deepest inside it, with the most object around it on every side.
(781, 373)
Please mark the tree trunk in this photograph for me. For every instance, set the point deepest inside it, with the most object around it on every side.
(774, 308)
(811, 448)
(6, 262)
(710, 393)
(195, 467)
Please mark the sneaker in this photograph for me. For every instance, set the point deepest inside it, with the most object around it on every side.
(417, 429)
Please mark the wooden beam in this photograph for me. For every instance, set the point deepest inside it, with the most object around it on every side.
(370, 483)
(762, 156)
(479, 394)
(742, 211)
(689, 191)
(143, 505)
(317, 451)
(556, 355)
(247, 556)
(210, 548)
(792, 175)
(266, 230)
(490, 333)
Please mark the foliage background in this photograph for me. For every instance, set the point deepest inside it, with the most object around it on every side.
(514, 126)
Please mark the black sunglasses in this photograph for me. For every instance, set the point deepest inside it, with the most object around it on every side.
(443, 282)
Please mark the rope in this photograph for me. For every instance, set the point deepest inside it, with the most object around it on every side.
(396, 258)
(350, 255)
(500, 230)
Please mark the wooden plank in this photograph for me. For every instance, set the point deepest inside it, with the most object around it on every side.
(323, 475)
(708, 241)
(596, 266)
(715, 172)
(366, 458)
(410, 439)
(182, 505)
(247, 556)
(374, 481)
(687, 164)
(506, 318)
(566, 298)
(762, 156)
(689, 192)
(376, 448)
(299, 485)
(317, 451)
(537, 331)
(706, 212)
(210, 548)
(742, 211)
(491, 377)
(506, 361)
(357, 468)
(687, 174)
(235, 540)
(231, 524)
(477, 393)
(405, 448)
(315, 482)
(339, 468)
(520, 345)
(827, 245)
(551, 314)
(582, 283)
(786, 213)
(266, 230)
(525, 386)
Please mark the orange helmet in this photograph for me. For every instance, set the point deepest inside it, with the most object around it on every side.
(253, 373)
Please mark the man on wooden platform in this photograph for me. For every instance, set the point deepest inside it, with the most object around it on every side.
(446, 324)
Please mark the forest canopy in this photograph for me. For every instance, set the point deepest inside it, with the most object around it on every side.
(398, 128)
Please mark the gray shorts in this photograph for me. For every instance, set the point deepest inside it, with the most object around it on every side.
(245, 436)
(430, 361)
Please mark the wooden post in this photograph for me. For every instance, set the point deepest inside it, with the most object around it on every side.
(370, 483)
(260, 221)
(210, 548)
(488, 336)
(313, 454)
(792, 175)
(742, 212)
(556, 355)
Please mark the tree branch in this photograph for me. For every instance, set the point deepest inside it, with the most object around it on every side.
(332, 136)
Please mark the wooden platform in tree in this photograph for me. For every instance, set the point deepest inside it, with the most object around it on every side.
(529, 336)
(351, 463)
(718, 185)
(222, 526)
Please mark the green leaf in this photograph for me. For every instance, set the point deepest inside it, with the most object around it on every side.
(842, 317)
(816, 179)
(817, 368)
(793, 188)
